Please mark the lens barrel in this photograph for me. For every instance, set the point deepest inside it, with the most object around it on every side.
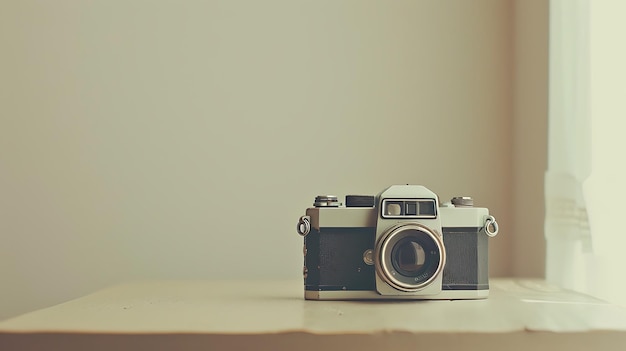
(410, 256)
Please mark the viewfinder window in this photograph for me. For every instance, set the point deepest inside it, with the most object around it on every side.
(409, 208)
(427, 208)
(393, 208)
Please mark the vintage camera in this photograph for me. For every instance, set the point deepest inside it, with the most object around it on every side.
(400, 244)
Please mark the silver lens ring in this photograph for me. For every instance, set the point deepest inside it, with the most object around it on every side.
(384, 256)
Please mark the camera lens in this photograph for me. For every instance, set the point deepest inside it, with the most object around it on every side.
(410, 257)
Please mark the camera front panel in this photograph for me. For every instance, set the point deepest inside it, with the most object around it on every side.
(467, 266)
(408, 218)
(334, 259)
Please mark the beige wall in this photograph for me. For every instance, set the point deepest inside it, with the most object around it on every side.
(530, 108)
(165, 139)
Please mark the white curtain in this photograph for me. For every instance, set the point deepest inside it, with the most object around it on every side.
(586, 176)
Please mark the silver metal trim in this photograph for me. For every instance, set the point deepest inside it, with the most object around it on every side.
(326, 201)
(368, 257)
(373, 295)
(491, 222)
(462, 201)
(304, 225)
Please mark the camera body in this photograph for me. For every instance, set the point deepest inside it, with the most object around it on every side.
(400, 244)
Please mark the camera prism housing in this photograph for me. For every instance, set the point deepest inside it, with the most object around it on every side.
(400, 244)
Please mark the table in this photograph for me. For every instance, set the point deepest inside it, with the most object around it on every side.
(272, 315)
